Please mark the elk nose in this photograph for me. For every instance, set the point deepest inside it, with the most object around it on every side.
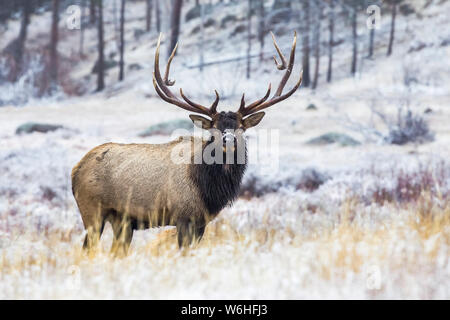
(228, 137)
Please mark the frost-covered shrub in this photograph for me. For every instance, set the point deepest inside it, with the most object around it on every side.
(254, 187)
(40, 173)
(406, 127)
(27, 83)
(7, 68)
(307, 180)
(32, 79)
(410, 128)
(310, 180)
(408, 186)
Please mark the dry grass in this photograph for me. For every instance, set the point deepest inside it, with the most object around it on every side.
(408, 249)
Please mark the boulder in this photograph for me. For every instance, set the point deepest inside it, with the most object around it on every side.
(166, 128)
(135, 67)
(31, 127)
(334, 137)
(311, 107)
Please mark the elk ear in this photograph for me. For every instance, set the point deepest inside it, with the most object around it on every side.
(201, 122)
(253, 120)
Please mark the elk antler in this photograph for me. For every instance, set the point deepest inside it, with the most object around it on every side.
(277, 97)
(161, 86)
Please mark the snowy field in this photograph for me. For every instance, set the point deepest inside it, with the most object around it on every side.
(377, 227)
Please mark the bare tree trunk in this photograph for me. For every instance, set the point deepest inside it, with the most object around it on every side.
(101, 54)
(371, 40)
(149, 15)
(202, 36)
(249, 37)
(92, 12)
(158, 16)
(306, 44)
(355, 41)
(53, 45)
(261, 29)
(175, 24)
(82, 26)
(122, 39)
(17, 47)
(391, 38)
(26, 10)
(25, 22)
(116, 24)
(330, 42)
(317, 44)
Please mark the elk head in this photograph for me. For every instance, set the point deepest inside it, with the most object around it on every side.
(227, 124)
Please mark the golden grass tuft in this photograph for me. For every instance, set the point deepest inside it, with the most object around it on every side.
(408, 244)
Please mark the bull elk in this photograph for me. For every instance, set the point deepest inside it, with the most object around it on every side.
(137, 186)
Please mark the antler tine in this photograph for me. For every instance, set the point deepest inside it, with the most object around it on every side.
(258, 102)
(282, 65)
(166, 75)
(195, 105)
(161, 87)
(242, 108)
(211, 111)
(172, 100)
(215, 103)
(157, 73)
(287, 74)
(277, 97)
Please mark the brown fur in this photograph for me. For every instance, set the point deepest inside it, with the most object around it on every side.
(136, 186)
(139, 185)
(132, 186)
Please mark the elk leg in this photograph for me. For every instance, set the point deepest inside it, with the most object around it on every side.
(189, 231)
(123, 234)
(199, 232)
(93, 236)
(185, 232)
(94, 224)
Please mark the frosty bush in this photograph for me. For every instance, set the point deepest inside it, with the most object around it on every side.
(409, 128)
(406, 127)
(20, 91)
(32, 79)
(308, 180)
(403, 180)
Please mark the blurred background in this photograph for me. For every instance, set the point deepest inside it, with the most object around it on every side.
(75, 48)
(356, 204)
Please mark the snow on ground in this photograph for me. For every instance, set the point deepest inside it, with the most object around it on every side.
(378, 227)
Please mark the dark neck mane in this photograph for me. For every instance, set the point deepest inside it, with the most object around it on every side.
(218, 184)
